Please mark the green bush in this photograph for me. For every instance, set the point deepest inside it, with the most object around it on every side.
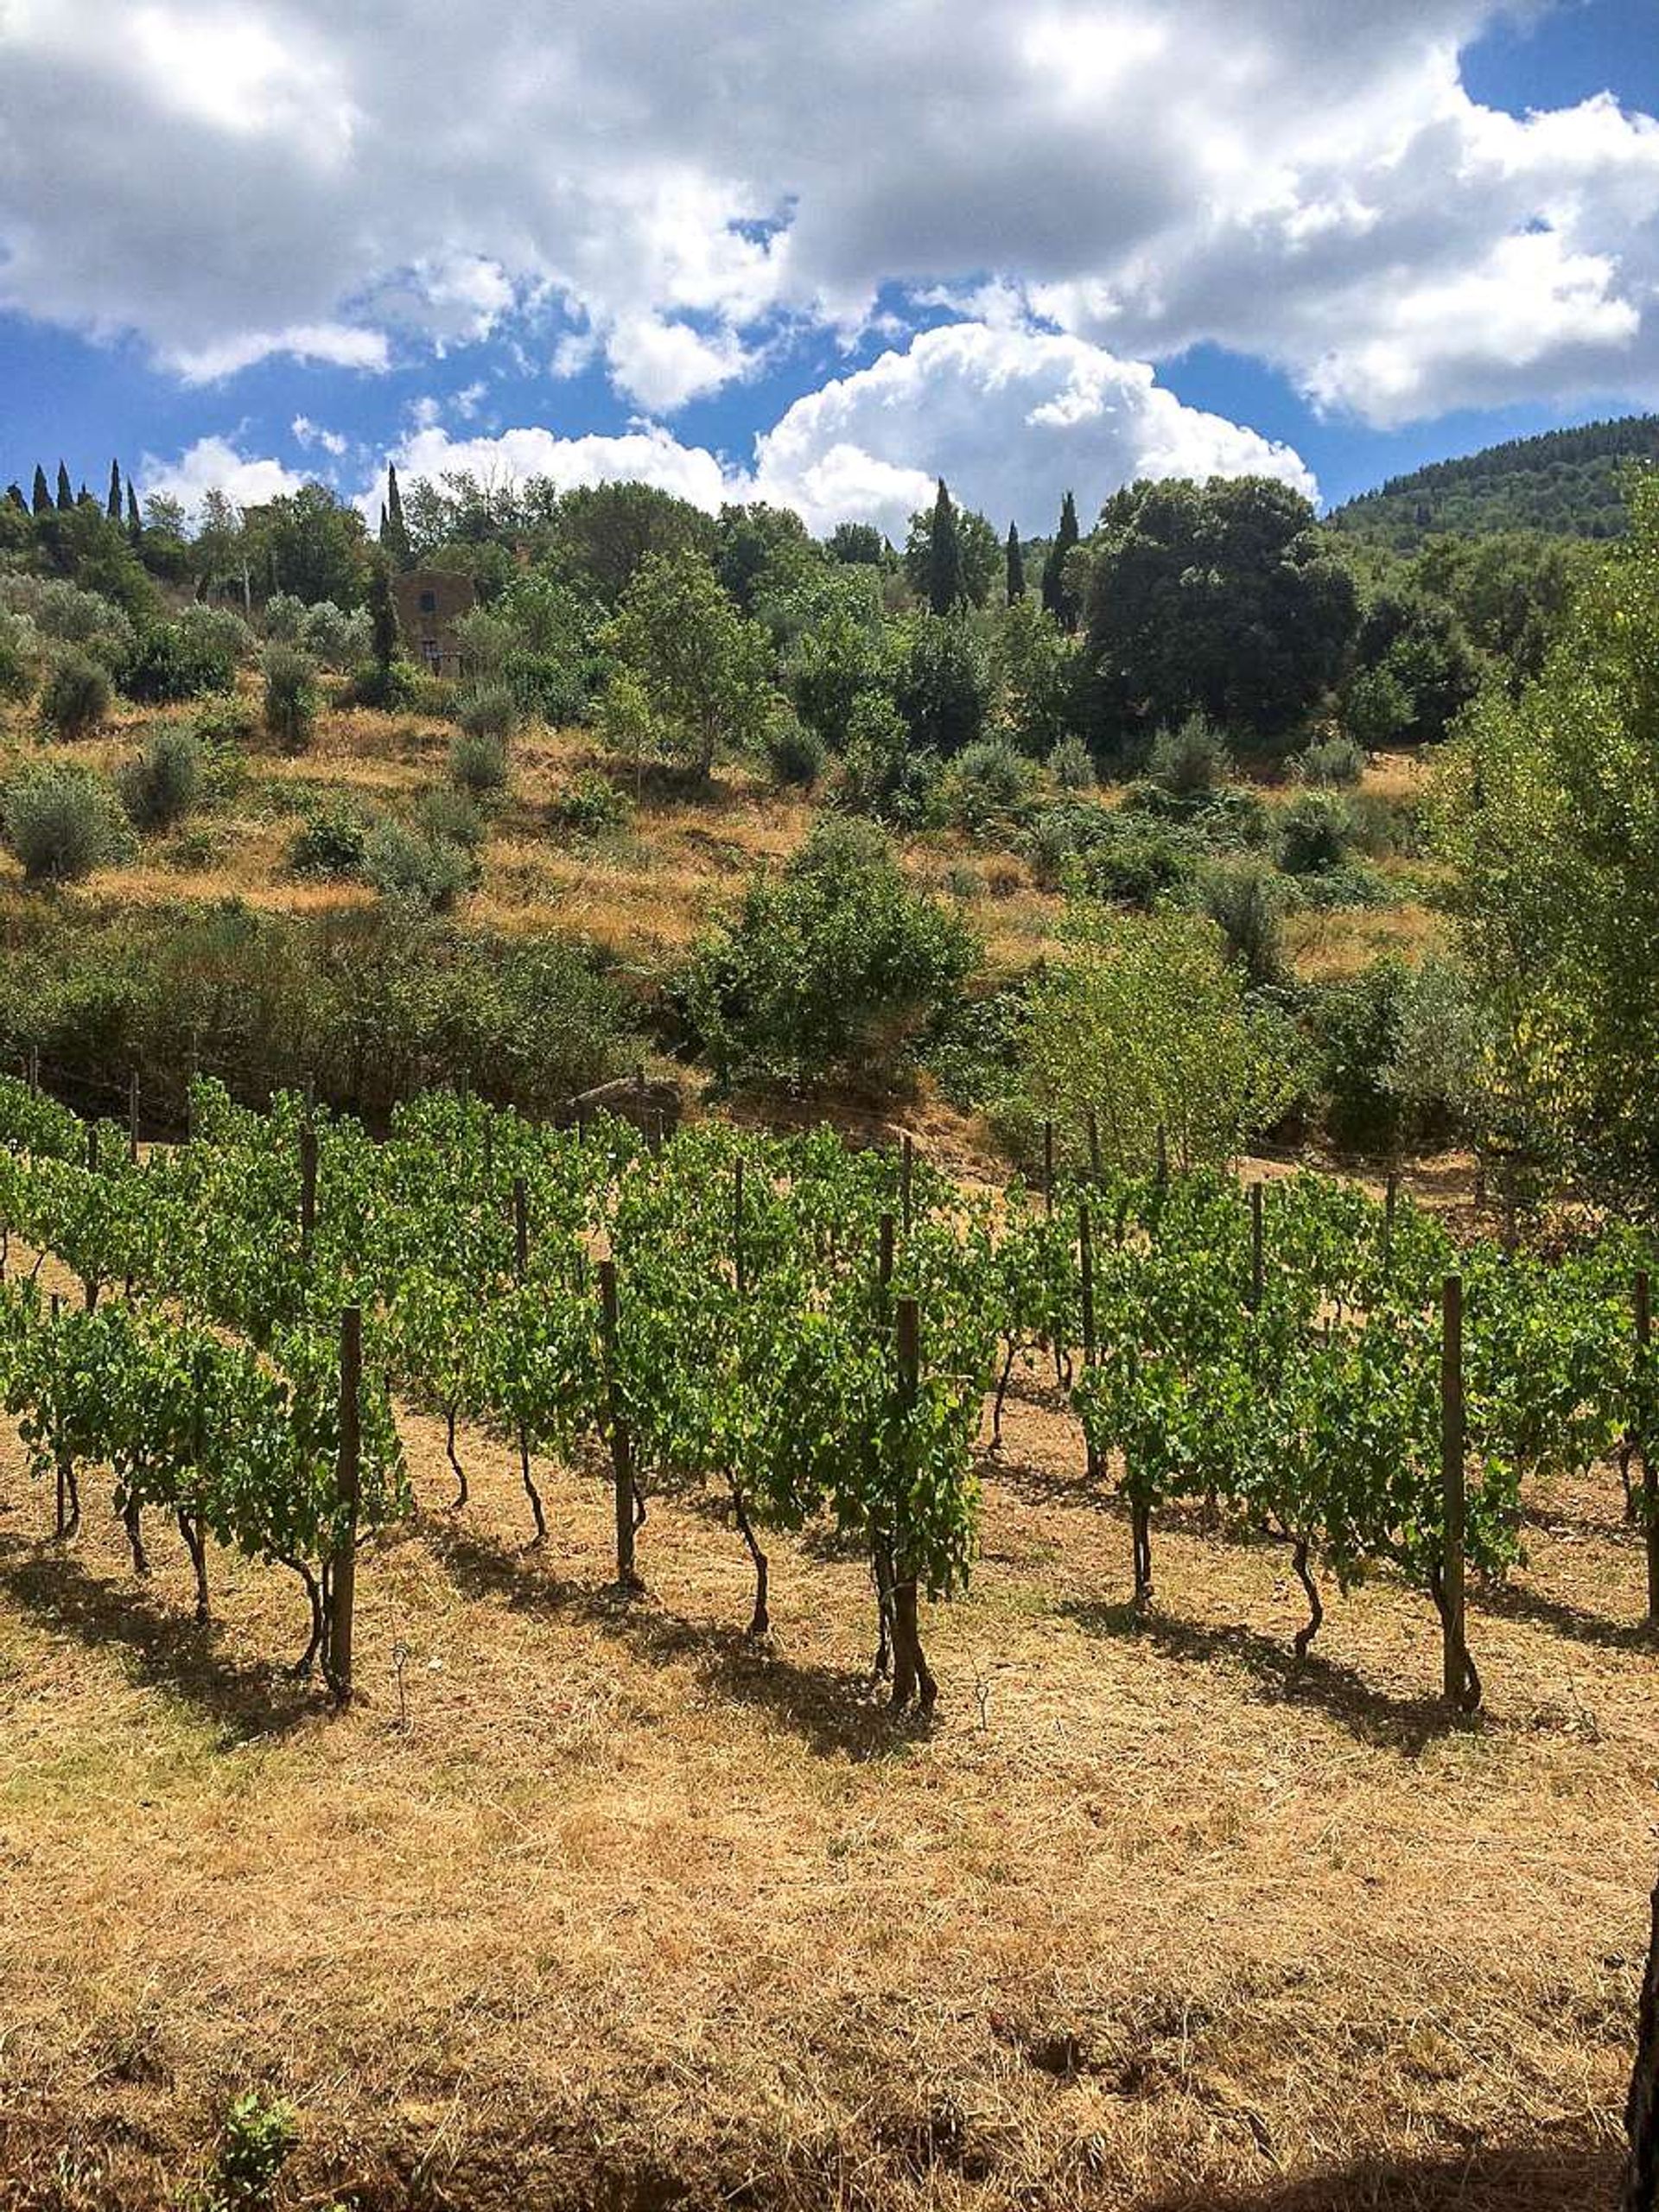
(168, 663)
(454, 816)
(61, 823)
(987, 782)
(333, 842)
(489, 710)
(226, 722)
(1358, 1026)
(478, 763)
(161, 787)
(1190, 760)
(882, 774)
(77, 694)
(397, 689)
(20, 656)
(427, 874)
(591, 807)
(1136, 868)
(1315, 830)
(290, 697)
(1071, 764)
(834, 967)
(795, 752)
(1335, 762)
(1246, 902)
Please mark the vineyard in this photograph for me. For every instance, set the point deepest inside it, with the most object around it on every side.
(804, 1333)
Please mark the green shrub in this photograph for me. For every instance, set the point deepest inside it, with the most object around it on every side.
(259, 2138)
(229, 722)
(397, 689)
(290, 697)
(882, 774)
(77, 694)
(1136, 868)
(61, 823)
(168, 663)
(20, 656)
(1071, 764)
(202, 846)
(1358, 1028)
(1384, 827)
(834, 967)
(1315, 830)
(1190, 760)
(451, 814)
(427, 874)
(591, 807)
(478, 763)
(1246, 903)
(161, 787)
(333, 842)
(795, 752)
(1335, 762)
(489, 710)
(987, 782)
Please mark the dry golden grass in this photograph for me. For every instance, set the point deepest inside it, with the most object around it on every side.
(606, 1909)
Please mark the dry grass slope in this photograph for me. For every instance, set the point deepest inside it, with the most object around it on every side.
(627, 1915)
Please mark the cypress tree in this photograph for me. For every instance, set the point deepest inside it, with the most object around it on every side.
(113, 507)
(135, 526)
(1016, 567)
(42, 492)
(66, 494)
(15, 494)
(382, 616)
(394, 531)
(944, 586)
(1062, 602)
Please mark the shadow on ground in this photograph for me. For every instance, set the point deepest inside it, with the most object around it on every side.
(1533, 2178)
(163, 1647)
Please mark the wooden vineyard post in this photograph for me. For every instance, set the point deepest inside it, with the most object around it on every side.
(521, 1228)
(627, 1574)
(309, 1093)
(1258, 1252)
(1086, 1285)
(911, 1677)
(1459, 1679)
(1390, 1199)
(1094, 1146)
(1048, 1167)
(906, 1159)
(132, 1115)
(1642, 1301)
(342, 1577)
(308, 1189)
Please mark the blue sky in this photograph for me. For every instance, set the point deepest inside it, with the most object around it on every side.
(765, 250)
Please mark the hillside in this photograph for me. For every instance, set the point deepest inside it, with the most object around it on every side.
(1567, 482)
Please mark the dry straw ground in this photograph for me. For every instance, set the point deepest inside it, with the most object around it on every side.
(609, 1909)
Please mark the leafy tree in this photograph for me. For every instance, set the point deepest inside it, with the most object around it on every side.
(701, 668)
(307, 543)
(1058, 597)
(1224, 598)
(755, 543)
(42, 492)
(831, 665)
(833, 968)
(860, 544)
(290, 695)
(1547, 809)
(1418, 647)
(600, 534)
(168, 662)
(1035, 669)
(1143, 1021)
(1016, 567)
(942, 689)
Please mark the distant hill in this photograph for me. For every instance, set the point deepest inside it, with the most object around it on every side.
(1567, 482)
